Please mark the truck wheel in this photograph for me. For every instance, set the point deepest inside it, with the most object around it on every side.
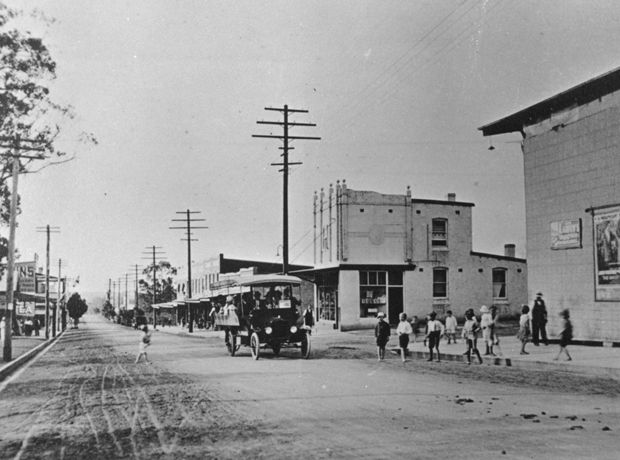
(255, 345)
(305, 347)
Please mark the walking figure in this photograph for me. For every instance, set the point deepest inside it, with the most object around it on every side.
(145, 342)
(470, 335)
(382, 334)
(524, 328)
(494, 335)
(403, 330)
(565, 334)
(539, 320)
(434, 332)
(451, 325)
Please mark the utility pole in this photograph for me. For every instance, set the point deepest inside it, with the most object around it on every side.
(155, 253)
(135, 266)
(286, 124)
(47, 229)
(17, 147)
(188, 232)
(59, 299)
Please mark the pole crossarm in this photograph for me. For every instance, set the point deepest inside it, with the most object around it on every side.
(286, 109)
(290, 138)
(281, 123)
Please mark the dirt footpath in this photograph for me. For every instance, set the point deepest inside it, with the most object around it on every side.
(84, 398)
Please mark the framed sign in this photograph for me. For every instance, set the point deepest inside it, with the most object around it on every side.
(606, 228)
(566, 234)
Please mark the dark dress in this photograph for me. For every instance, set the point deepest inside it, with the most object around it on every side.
(382, 333)
(567, 334)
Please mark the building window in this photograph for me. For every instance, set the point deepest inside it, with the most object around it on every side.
(440, 283)
(439, 238)
(499, 283)
(373, 293)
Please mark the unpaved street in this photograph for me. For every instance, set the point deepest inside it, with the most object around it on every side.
(85, 398)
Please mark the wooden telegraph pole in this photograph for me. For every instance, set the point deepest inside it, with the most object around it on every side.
(286, 124)
(188, 232)
(47, 229)
(17, 148)
(155, 252)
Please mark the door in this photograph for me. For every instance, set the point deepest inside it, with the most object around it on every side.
(395, 304)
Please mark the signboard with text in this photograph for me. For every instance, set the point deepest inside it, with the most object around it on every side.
(566, 234)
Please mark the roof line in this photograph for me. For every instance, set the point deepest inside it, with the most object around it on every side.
(585, 92)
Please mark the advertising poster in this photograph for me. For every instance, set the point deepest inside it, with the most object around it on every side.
(607, 261)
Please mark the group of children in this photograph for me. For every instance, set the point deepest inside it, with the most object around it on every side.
(488, 325)
(565, 334)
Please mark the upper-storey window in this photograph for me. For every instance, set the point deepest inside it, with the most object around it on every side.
(499, 283)
(439, 238)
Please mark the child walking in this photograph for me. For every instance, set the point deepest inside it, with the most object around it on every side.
(565, 334)
(525, 329)
(434, 331)
(403, 330)
(145, 341)
(470, 335)
(494, 335)
(415, 327)
(485, 324)
(451, 325)
(382, 334)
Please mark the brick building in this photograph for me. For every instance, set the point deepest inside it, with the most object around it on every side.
(572, 197)
(393, 253)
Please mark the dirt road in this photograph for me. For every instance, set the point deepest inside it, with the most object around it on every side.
(84, 398)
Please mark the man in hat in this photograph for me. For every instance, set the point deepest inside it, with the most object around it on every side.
(539, 321)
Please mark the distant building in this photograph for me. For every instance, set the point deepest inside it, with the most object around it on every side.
(206, 276)
(571, 143)
(394, 253)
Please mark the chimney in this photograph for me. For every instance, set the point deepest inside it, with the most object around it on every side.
(451, 196)
(509, 250)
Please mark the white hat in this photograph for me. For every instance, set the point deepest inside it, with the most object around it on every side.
(484, 309)
(380, 315)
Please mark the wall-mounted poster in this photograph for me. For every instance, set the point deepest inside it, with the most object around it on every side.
(607, 254)
(566, 234)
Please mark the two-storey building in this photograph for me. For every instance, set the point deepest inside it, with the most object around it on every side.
(394, 253)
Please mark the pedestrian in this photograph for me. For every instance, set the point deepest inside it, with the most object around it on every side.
(36, 325)
(565, 334)
(403, 330)
(451, 325)
(494, 328)
(145, 342)
(28, 327)
(485, 324)
(525, 331)
(415, 327)
(434, 332)
(539, 321)
(382, 334)
(470, 335)
(308, 319)
(428, 318)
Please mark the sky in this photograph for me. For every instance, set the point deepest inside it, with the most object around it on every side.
(172, 90)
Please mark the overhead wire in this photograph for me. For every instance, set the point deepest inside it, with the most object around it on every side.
(409, 60)
(436, 57)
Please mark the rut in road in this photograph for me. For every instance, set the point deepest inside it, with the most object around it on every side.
(92, 401)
